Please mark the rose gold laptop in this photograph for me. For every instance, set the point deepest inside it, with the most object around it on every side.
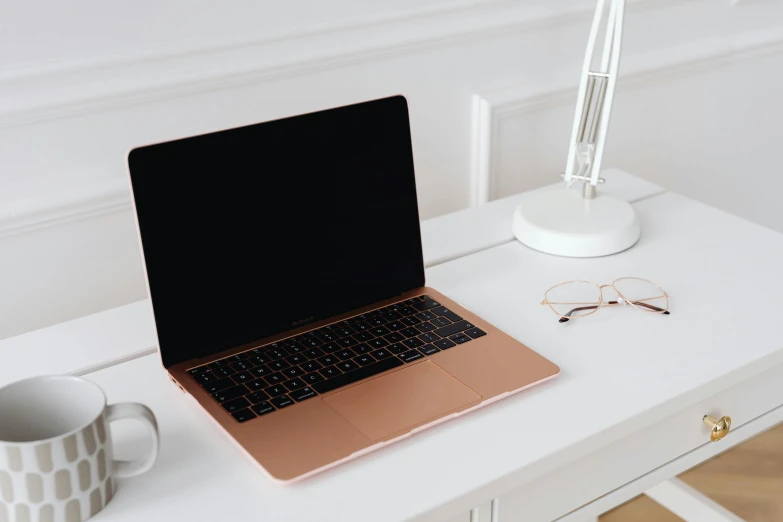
(285, 269)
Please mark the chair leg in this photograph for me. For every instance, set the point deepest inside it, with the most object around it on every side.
(688, 504)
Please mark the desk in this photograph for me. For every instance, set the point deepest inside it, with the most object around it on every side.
(624, 415)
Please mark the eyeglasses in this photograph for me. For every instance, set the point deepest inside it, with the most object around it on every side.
(574, 299)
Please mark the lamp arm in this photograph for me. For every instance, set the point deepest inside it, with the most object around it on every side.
(593, 110)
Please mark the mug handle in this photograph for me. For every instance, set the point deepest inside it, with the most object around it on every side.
(131, 410)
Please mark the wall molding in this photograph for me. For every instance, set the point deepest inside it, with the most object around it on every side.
(639, 71)
(41, 92)
(35, 213)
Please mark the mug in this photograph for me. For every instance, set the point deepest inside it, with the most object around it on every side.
(56, 450)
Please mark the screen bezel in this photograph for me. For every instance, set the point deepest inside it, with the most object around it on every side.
(168, 357)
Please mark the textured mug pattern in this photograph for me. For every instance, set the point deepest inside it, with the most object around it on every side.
(66, 479)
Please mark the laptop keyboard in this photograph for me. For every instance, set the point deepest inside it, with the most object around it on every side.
(265, 379)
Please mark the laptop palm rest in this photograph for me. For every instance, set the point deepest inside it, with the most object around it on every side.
(400, 401)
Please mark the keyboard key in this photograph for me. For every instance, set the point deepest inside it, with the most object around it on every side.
(278, 365)
(362, 348)
(407, 310)
(377, 320)
(363, 336)
(303, 394)
(262, 408)
(295, 348)
(380, 342)
(346, 331)
(274, 378)
(328, 360)
(426, 327)
(218, 364)
(362, 373)
(475, 333)
(312, 378)
(443, 344)
(413, 342)
(395, 325)
(440, 322)
(294, 371)
(219, 385)
(258, 384)
(199, 370)
(277, 354)
(230, 393)
(330, 347)
(395, 337)
(425, 296)
(207, 377)
(397, 348)
(381, 354)
(425, 316)
(425, 305)
(294, 384)
(391, 316)
(257, 397)
(277, 389)
(242, 377)
(296, 359)
(281, 402)
(331, 371)
(243, 415)
(260, 371)
(346, 342)
(241, 366)
(235, 404)
(411, 321)
(347, 366)
(346, 354)
(460, 338)
(311, 366)
(361, 326)
(329, 337)
(451, 316)
(428, 349)
(259, 359)
(451, 329)
(364, 360)
(410, 332)
(429, 337)
(410, 355)
(311, 342)
(311, 333)
(224, 371)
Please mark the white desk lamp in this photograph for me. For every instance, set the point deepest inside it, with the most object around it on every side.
(584, 223)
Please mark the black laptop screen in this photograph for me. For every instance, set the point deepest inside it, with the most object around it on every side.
(251, 231)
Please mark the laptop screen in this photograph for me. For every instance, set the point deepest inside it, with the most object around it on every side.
(253, 231)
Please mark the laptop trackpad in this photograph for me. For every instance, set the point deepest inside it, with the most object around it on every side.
(400, 401)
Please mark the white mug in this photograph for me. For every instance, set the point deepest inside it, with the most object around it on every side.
(56, 450)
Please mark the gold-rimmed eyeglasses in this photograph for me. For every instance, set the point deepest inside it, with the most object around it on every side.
(574, 299)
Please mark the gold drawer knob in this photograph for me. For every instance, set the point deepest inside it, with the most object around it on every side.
(720, 428)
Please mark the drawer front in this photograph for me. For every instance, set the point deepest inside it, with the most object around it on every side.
(592, 476)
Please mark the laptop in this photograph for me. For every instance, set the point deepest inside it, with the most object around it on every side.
(285, 270)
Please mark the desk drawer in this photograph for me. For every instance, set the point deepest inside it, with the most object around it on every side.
(661, 443)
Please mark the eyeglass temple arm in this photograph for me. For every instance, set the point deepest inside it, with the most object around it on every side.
(567, 316)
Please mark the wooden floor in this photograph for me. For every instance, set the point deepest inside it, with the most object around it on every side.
(747, 480)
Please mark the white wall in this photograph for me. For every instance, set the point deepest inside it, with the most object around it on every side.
(697, 109)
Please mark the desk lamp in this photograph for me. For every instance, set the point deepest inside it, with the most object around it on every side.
(584, 223)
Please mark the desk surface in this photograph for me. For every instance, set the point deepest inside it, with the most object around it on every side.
(621, 370)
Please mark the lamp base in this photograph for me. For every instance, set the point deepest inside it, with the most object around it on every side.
(561, 222)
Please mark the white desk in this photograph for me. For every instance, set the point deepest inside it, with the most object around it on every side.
(624, 415)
